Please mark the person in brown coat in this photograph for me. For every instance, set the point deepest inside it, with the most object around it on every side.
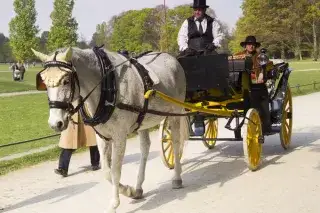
(77, 135)
(251, 46)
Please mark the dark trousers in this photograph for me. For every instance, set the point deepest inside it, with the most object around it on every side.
(22, 75)
(94, 155)
(66, 154)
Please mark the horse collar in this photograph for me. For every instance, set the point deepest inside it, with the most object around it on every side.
(108, 91)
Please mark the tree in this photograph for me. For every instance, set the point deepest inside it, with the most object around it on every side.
(43, 41)
(129, 31)
(100, 36)
(23, 29)
(82, 44)
(312, 19)
(175, 18)
(63, 31)
(5, 50)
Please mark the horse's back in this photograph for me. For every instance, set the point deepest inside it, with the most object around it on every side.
(169, 72)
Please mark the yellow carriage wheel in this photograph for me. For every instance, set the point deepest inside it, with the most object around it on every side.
(286, 120)
(211, 126)
(252, 137)
(167, 145)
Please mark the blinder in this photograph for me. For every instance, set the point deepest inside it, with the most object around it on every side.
(73, 81)
(39, 83)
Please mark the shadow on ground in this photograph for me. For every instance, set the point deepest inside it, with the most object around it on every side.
(224, 163)
(64, 193)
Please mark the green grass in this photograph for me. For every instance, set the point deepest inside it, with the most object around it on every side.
(304, 65)
(8, 85)
(23, 118)
(303, 78)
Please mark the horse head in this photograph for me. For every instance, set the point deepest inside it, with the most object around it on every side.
(60, 81)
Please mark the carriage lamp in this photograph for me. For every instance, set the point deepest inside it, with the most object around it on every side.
(263, 59)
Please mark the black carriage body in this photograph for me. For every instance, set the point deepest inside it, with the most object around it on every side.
(215, 73)
(206, 72)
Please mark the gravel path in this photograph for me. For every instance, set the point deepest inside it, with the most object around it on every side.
(215, 181)
(10, 94)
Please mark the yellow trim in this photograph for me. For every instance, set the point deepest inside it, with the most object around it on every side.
(198, 107)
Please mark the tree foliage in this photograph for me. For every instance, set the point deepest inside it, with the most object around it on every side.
(23, 29)
(100, 37)
(152, 29)
(5, 50)
(285, 27)
(63, 31)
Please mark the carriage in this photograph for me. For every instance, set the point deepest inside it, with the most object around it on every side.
(202, 88)
(221, 86)
(17, 75)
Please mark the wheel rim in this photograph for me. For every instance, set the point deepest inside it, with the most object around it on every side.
(211, 126)
(252, 135)
(286, 120)
(167, 145)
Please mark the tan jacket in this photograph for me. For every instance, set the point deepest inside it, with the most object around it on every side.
(77, 135)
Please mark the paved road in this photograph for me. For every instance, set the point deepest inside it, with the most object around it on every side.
(215, 181)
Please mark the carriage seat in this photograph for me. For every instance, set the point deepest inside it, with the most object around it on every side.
(236, 67)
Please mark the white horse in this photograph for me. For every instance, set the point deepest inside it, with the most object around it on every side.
(130, 90)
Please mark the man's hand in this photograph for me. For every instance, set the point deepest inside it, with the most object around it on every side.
(190, 51)
(211, 47)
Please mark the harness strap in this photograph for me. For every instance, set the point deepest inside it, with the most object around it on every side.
(147, 84)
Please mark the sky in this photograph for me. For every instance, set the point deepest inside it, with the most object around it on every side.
(89, 13)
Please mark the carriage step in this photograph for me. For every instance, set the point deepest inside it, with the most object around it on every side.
(275, 129)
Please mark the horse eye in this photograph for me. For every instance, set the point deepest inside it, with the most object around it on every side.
(65, 82)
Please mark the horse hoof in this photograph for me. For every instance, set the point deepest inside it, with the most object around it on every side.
(177, 184)
(138, 195)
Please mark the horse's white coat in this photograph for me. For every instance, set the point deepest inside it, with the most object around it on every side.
(130, 91)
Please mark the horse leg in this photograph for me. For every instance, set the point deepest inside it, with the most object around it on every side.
(105, 156)
(144, 148)
(174, 123)
(118, 150)
(105, 149)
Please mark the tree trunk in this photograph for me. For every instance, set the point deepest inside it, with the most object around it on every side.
(315, 44)
(283, 54)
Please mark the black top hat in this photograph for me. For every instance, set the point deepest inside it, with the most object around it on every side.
(199, 4)
(250, 40)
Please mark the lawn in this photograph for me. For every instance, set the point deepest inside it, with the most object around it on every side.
(303, 78)
(8, 85)
(304, 65)
(23, 118)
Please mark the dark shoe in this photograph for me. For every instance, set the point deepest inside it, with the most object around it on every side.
(62, 172)
(94, 168)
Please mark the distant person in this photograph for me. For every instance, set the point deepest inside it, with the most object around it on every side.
(22, 69)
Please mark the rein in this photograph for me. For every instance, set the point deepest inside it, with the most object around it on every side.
(107, 102)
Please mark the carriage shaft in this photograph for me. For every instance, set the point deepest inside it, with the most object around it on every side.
(195, 108)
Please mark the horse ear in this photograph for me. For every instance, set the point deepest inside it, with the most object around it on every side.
(67, 55)
(41, 56)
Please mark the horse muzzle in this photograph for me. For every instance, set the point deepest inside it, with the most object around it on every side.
(58, 119)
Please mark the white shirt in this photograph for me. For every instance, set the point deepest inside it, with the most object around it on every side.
(183, 33)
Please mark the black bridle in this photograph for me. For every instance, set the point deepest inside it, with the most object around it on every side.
(74, 81)
(107, 101)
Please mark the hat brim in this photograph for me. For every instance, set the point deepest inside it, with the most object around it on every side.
(203, 6)
(243, 44)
